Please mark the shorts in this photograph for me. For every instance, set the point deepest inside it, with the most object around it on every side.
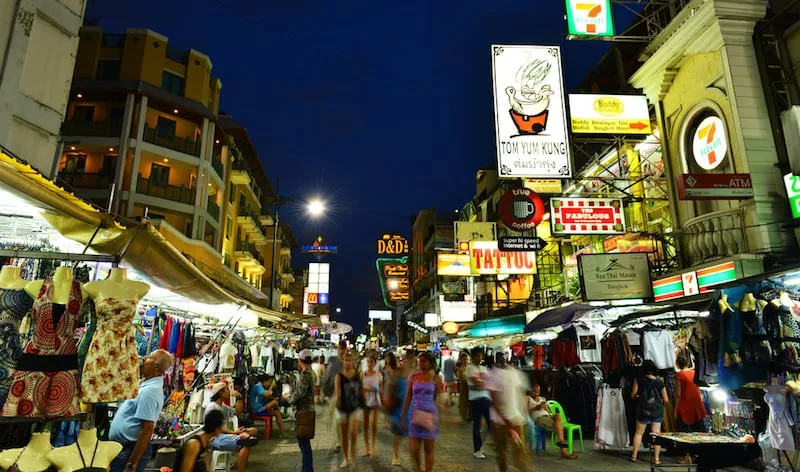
(226, 442)
(342, 418)
(547, 422)
(648, 420)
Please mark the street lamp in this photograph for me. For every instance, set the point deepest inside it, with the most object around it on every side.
(314, 207)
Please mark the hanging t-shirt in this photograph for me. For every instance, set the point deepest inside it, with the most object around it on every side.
(207, 364)
(227, 355)
(658, 347)
(589, 343)
(634, 339)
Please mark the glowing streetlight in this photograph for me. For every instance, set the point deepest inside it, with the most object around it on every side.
(338, 310)
(316, 207)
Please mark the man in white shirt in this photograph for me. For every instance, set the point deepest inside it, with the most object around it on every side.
(509, 415)
(479, 400)
(545, 419)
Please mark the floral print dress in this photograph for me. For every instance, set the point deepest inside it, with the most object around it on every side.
(14, 305)
(45, 382)
(111, 370)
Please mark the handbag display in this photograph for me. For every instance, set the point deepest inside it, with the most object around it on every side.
(424, 419)
(305, 424)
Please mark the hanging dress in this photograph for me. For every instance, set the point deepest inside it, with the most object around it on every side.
(111, 370)
(45, 383)
(14, 305)
(780, 421)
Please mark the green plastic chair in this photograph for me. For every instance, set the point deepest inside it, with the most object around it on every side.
(569, 428)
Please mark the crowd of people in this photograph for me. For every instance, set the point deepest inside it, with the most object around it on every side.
(409, 391)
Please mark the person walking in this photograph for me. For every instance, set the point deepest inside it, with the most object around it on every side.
(449, 372)
(372, 381)
(327, 385)
(349, 400)
(135, 419)
(479, 400)
(423, 388)
(239, 441)
(463, 388)
(651, 397)
(508, 413)
(303, 400)
(690, 411)
(394, 400)
(319, 370)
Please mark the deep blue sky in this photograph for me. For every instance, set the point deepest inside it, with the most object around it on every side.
(381, 108)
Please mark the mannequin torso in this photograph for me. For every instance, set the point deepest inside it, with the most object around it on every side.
(10, 278)
(117, 286)
(62, 285)
(34, 455)
(68, 458)
(723, 304)
(748, 302)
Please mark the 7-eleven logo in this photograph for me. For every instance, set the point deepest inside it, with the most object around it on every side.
(710, 144)
(690, 286)
(592, 12)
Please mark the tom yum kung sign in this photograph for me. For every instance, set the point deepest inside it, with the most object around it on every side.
(486, 258)
(530, 113)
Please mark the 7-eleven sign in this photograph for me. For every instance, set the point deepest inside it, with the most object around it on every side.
(709, 143)
(589, 18)
(690, 285)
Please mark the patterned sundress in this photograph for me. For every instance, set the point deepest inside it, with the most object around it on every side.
(45, 382)
(111, 370)
(14, 305)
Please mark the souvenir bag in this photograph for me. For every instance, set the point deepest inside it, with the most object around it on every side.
(305, 422)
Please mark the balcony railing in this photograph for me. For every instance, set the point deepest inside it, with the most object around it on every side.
(216, 164)
(85, 180)
(176, 193)
(185, 145)
(713, 236)
(212, 208)
(110, 128)
(247, 246)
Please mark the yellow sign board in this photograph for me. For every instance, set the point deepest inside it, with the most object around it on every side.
(455, 265)
(544, 185)
(609, 114)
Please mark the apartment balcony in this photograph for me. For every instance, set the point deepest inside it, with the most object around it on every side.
(107, 128)
(286, 297)
(714, 236)
(285, 251)
(218, 167)
(247, 256)
(212, 208)
(97, 181)
(185, 145)
(174, 193)
(288, 276)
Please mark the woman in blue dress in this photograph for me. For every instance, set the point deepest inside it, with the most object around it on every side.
(423, 429)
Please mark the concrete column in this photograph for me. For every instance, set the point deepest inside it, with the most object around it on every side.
(202, 183)
(137, 153)
(124, 146)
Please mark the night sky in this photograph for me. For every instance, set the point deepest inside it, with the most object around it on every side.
(380, 108)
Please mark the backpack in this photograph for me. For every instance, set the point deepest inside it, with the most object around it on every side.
(650, 404)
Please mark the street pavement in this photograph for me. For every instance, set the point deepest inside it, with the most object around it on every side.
(453, 452)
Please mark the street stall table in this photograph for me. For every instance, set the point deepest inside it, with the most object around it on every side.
(165, 448)
(712, 451)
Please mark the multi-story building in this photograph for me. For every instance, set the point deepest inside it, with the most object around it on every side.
(38, 45)
(143, 137)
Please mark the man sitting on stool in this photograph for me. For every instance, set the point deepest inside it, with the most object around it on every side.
(240, 440)
(545, 419)
(264, 403)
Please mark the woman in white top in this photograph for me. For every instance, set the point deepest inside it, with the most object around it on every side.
(372, 384)
(319, 369)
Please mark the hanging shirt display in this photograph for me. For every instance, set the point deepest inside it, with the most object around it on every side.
(658, 347)
(589, 342)
(227, 356)
(14, 305)
(780, 421)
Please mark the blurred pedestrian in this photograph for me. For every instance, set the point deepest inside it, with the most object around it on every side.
(509, 413)
(479, 400)
(463, 388)
(651, 398)
(393, 401)
(449, 371)
(372, 382)
(690, 411)
(303, 400)
(349, 401)
(423, 388)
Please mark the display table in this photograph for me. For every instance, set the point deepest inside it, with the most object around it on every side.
(711, 451)
(175, 441)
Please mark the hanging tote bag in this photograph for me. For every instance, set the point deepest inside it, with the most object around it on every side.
(305, 424)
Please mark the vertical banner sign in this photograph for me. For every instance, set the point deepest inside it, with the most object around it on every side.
(589, 18)
(529, 112)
